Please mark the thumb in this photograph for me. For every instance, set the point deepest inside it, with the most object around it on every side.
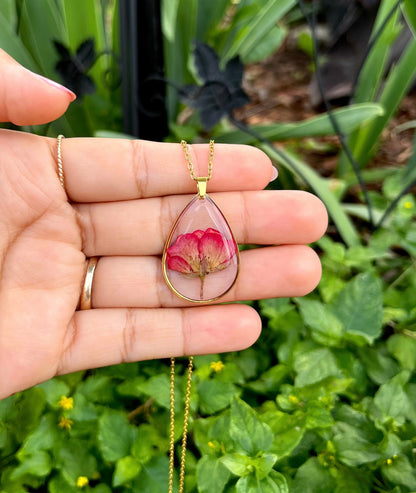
(27, 98)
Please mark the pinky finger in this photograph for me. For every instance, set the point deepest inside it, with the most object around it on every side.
(103, 337)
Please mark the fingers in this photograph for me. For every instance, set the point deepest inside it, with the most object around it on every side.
(264, 218)
(27, 98)
(284, 271)
(101, 170)
(111, 336)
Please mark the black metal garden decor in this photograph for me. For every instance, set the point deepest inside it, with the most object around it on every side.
(142, 70)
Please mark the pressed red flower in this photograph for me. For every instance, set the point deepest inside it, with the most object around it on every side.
(200, 253)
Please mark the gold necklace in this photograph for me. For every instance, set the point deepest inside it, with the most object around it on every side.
(200, 264)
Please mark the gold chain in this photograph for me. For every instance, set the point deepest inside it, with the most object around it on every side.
(191, 358)
(60, 166)
(189, 161)
(185, 424)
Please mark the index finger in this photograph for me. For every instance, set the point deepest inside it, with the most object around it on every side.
(101, 170)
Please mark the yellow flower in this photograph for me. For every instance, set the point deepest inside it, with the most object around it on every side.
(65, 423)
(217, 366)
(66, 403)
(82, 481)
(389, 462)
(408, 205)
(211, 444)
(293, 399)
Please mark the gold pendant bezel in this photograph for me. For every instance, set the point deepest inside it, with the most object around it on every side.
(167, 243)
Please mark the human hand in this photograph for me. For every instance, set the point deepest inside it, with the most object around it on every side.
(121, 200)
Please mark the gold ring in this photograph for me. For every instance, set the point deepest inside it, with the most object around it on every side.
(85, 302)
(59, 159)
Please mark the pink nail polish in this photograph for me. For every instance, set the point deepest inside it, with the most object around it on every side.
(274, 174)
(54, 84)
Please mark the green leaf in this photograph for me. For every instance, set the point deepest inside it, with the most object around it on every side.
(153, 477)
(396, 86)
(212, 475)
(210, 14)
(100, 488)
(326, 328)
(37, 464)
(410, 390)
(215, 395)
(54, 389)
(393, 401)
(83, 410)
(359, 306)
(318, 416)
(348, 120)
(287, 441)
(59, 485)
(252, 484)
(97, 388)
(11, 43)
(403, 348)
(127, 468)
(280, 480)
(270, 380)
(29, 407)
(252, 32)
(359, 421)
(169, 14)
(401, 472)
(177, 50)
(321, 187)
(86, 20)
(315, 365)
(409, 9)
(115, 435)
(74, 460)
(312, 477)
(40, 24)
(263, 464)
(238, 464)
(267, 45)
(43, 437)
(352, 448)
(352, 481)
(158, 387)
(379, 367)
(147, 441)
(247, 431)
(372, 72)
(3, 435)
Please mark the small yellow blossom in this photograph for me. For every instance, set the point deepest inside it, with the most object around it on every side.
(293, 399)
(65, 423)
(408, 205)
(389, 462)
(66, 403)
(211, 444)
(217, 366)
(82, 481)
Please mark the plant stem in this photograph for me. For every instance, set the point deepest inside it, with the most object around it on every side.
(201, 291)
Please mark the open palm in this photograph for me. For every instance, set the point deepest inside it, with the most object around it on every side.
(120, 200)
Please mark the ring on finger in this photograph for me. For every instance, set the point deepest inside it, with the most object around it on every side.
(85, 302)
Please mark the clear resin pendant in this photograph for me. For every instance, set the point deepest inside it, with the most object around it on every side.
(200, 260)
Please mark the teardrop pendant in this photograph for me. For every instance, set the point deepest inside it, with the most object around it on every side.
(200, 259)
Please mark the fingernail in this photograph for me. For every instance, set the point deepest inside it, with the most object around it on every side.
(274, 174)
(54, 84)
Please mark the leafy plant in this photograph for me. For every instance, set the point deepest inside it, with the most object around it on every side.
(324, 401)
(60, 38)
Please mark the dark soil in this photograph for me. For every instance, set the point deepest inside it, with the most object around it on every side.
(279, 90)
